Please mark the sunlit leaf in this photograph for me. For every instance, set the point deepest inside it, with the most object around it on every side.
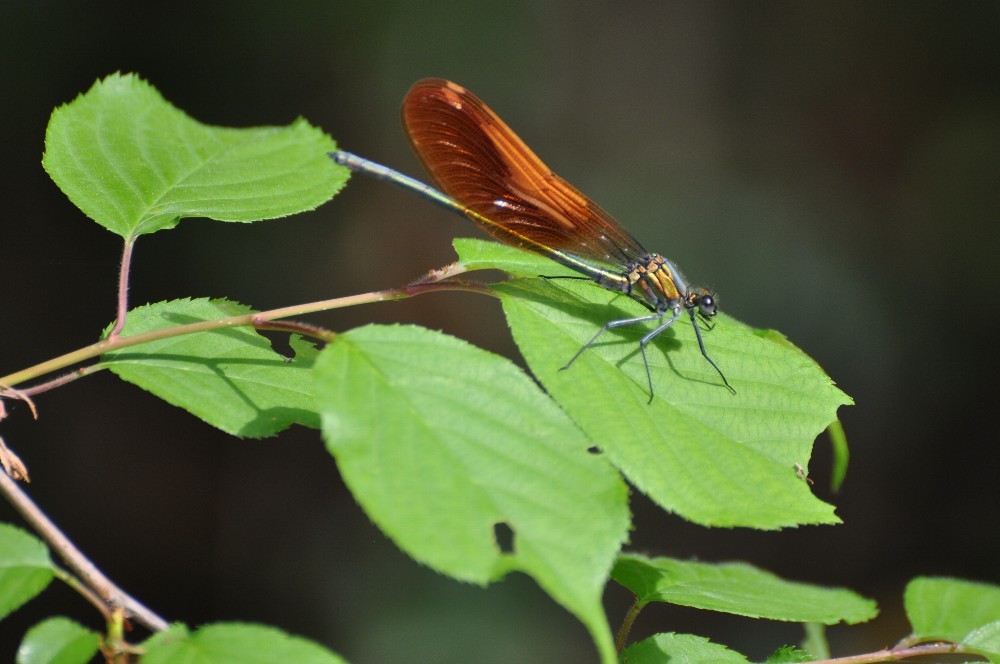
(58, 641)
(681, 648)
(440, 442)
(233, 643)
(25, 568)
(136, 164)
(713, 457)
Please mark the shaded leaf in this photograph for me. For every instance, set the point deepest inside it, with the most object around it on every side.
(738, 588)
(950, 609)
(231, 378)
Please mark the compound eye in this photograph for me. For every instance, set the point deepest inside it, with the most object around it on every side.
(707, 306)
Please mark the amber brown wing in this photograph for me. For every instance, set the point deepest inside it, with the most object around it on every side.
(476, 159)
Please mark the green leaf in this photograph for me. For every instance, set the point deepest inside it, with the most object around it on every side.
(231, 377)
(788, 655)
(680, 649)
(714, 458)
(58, 641)
(25, 568)
(950, 609)
(233, 643)
(985, 641)
(738, 588)
(440, 441)
(478, 254)
(135, 164)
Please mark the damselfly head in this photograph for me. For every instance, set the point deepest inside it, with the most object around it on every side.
(703, 300)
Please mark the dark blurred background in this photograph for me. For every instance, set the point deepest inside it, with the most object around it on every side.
(833, 169)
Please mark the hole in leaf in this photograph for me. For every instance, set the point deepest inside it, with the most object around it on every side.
(504, 536)
(594, 449)
(279, 343)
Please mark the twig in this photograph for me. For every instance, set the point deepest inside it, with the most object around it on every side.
(23, 395)
(86, 571)
(896, 654)
(255, 319)
(440, 274)
(59, 381)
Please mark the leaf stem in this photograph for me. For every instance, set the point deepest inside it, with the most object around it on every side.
(815, 641)
(297, 327)
(59, 381)
(123, 274)
(82, 588)
(111, 595)
(622, 636)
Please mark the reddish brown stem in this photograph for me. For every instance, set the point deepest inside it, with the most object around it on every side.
(896, 654)
(123, 275)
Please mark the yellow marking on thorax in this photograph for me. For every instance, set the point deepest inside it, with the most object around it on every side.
(654, 282)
